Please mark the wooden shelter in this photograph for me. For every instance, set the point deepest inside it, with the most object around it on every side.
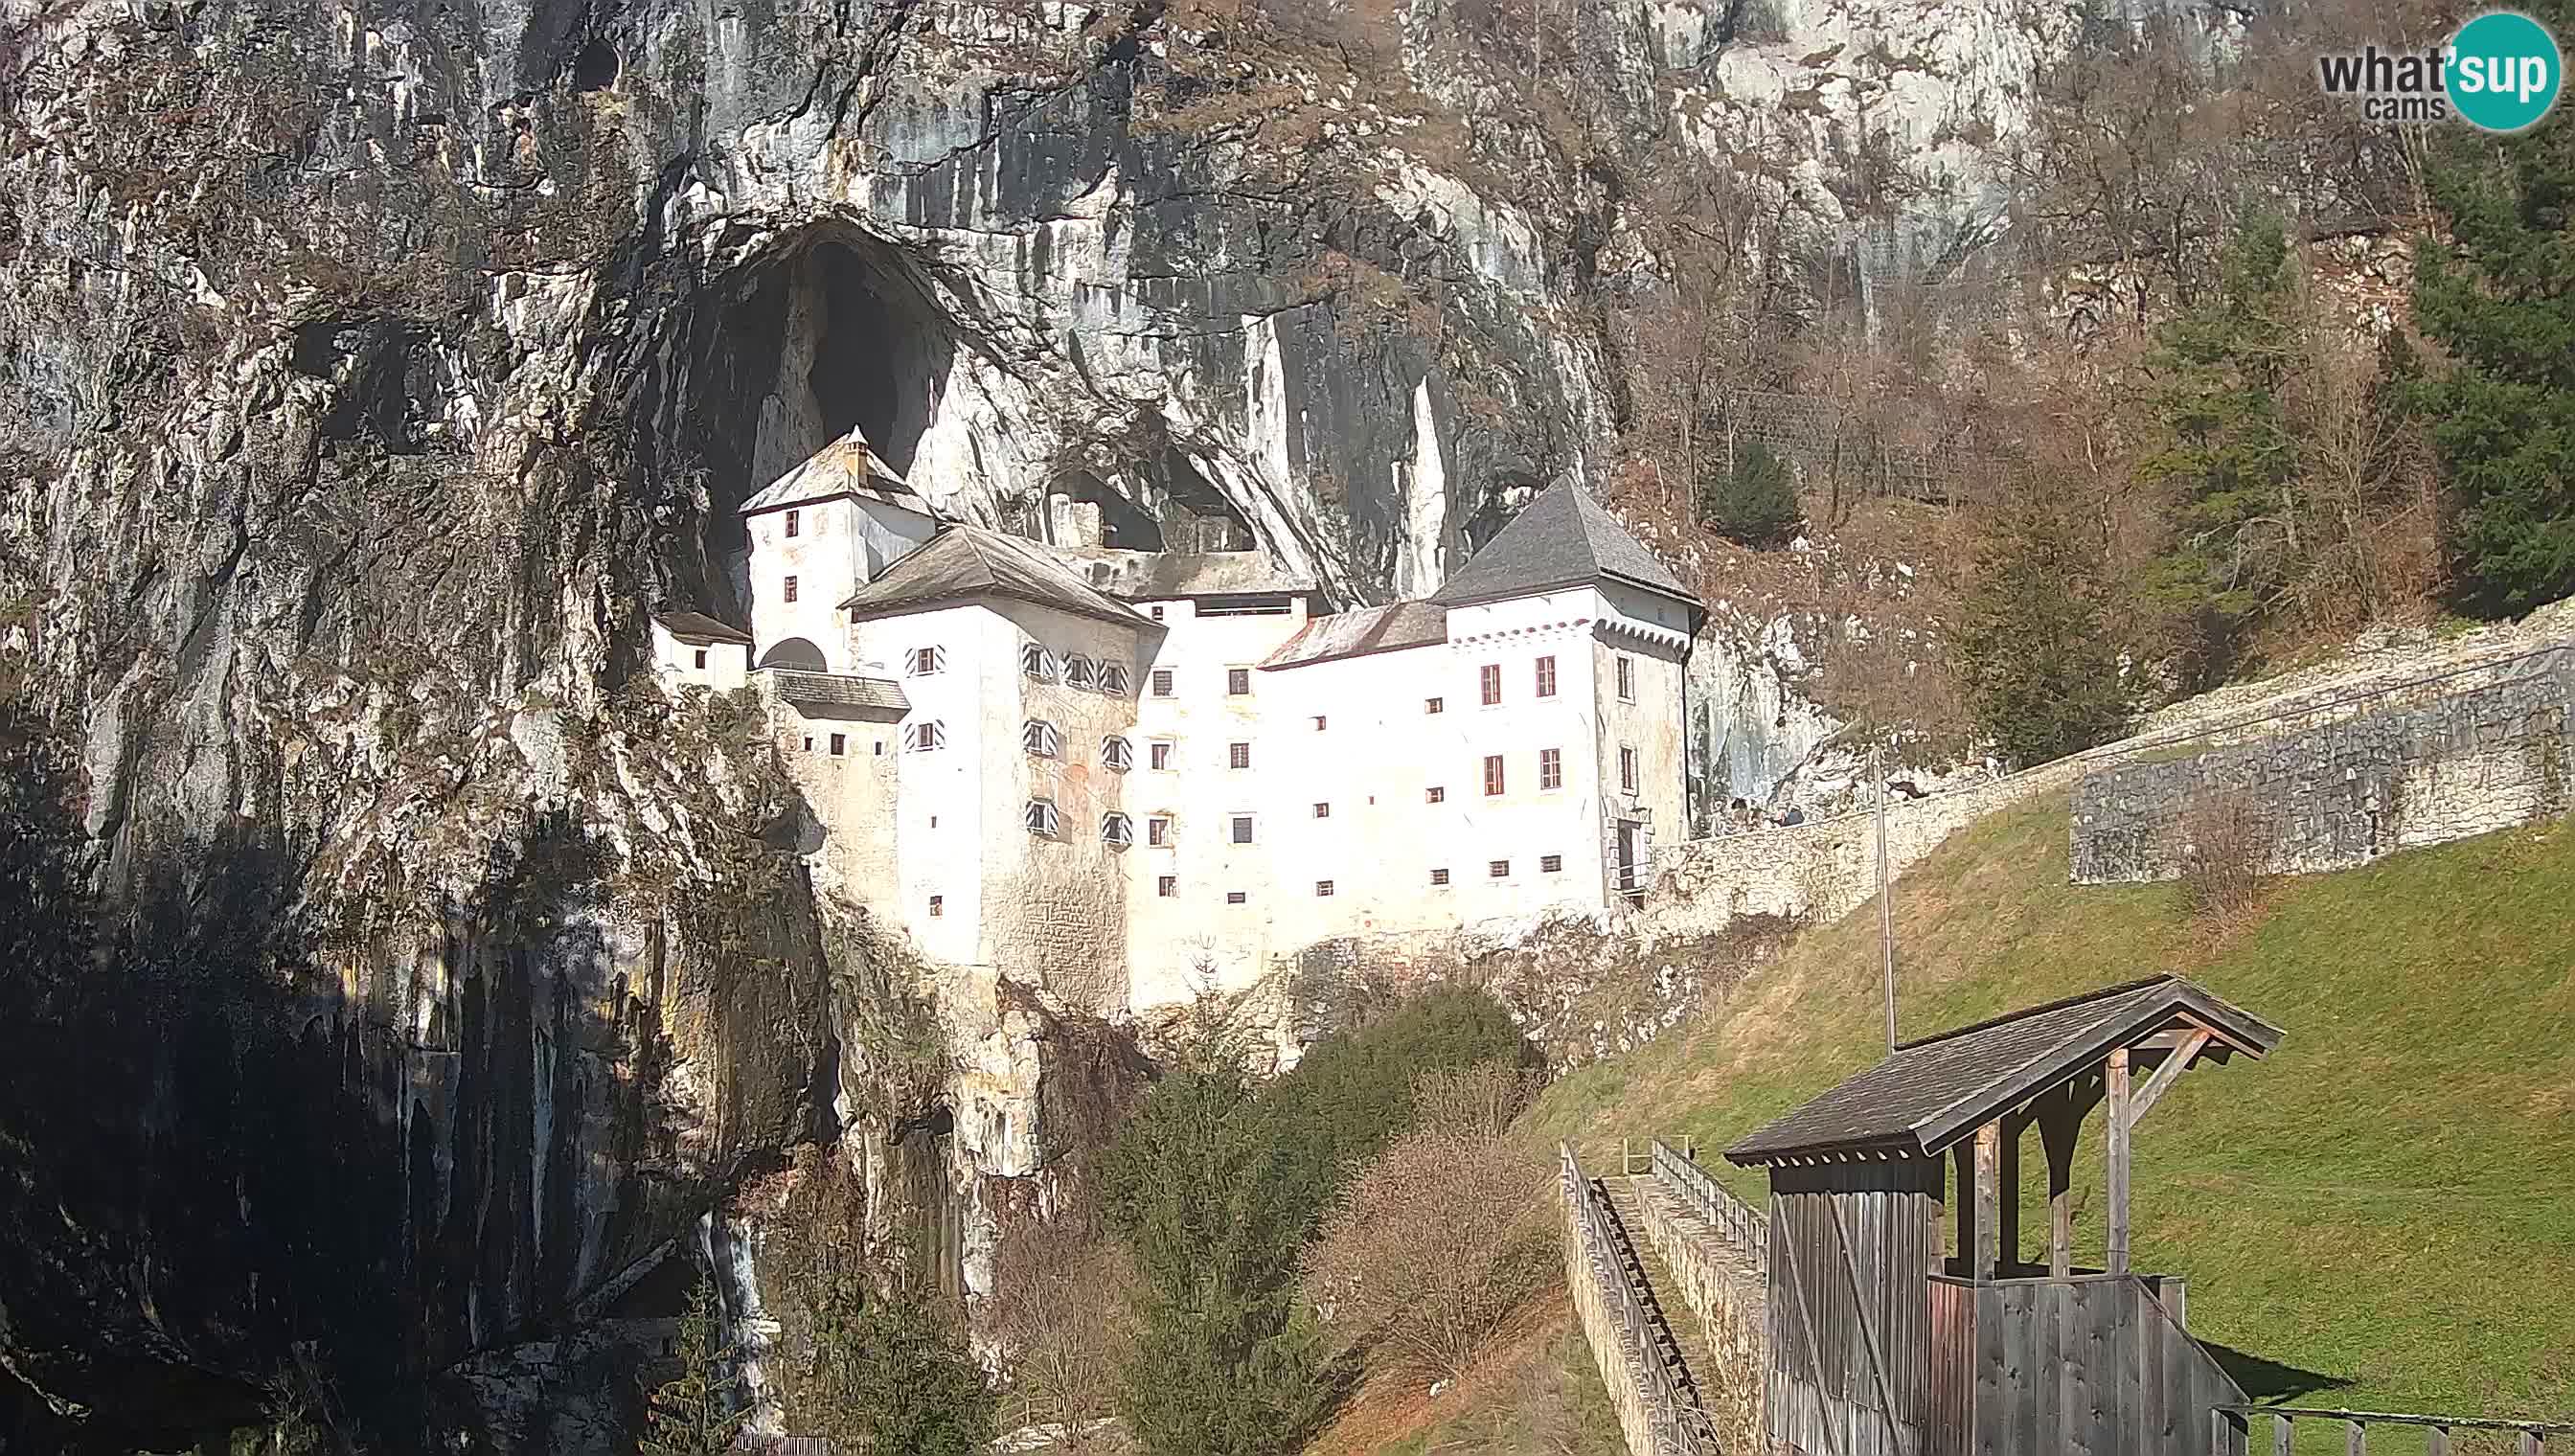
(1887, 1339)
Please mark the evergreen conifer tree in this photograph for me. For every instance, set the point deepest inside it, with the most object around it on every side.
(2499, 296)
(693, 1413)
(1754, 503)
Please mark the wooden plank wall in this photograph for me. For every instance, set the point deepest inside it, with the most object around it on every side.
(1851, 1246)
(2088, 1366)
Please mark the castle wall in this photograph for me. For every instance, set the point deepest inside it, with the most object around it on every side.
(826, 558)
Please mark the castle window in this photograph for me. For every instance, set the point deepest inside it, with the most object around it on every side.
(1118, 830)
(1550, 864)
(1322, 811)
(1078, 673)
(1438, 878)
(809, 743)
(1168, 885)
(1550, 768)
(1497, 869)
(702, 660)
(1319, 723)
(1039, 736)
(938, 905)
(1547, 676)
(1492, 773)
(1435, 795)
(1323, 887)
(1162, 682)
(1242, 828)
(839, 744)
(1238, 682)
(1115, 752)
(1036, 665)
(1112, 678)
(791, 588)
(1157, 831)
(1626, 680)
(1627, 770)
(1158, 612)
(1491, 676)
(1239, 755)
(1234, 896)
(1040, 818)
(923, 662)
(792, 522)
(1161, 756)
(919, 737)
(1433, 704)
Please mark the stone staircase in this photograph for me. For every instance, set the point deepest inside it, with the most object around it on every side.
(1679, 1341)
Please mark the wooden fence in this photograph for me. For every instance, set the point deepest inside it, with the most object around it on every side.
(1673, 1424)
(2127, 1380)
(1746, 1227)
(2231, 1427)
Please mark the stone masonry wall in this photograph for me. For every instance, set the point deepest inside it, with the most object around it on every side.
(2487, 757)
(1720, 1287)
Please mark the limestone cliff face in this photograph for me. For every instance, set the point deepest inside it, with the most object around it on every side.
(373, 368)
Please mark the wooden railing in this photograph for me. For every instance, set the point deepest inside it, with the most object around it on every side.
(1679, 1427)
(1748, 1228)
(2231, 1429)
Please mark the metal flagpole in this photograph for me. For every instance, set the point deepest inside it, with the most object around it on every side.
(1886, 913)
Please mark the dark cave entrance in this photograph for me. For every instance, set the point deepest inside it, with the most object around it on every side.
(828, 330)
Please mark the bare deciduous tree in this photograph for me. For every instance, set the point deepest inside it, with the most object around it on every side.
(1436, 1241)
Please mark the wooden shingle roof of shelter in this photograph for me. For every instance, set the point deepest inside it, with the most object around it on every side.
(1561, 539)
(962, 563)
(1930, 1094)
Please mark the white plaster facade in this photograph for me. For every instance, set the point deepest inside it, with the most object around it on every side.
(1182, 784)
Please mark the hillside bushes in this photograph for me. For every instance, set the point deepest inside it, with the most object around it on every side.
(1217, 1183)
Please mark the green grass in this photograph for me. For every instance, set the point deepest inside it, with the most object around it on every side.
(2386, 1203)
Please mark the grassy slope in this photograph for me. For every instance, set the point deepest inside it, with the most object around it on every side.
(2385, 1207)
(1535, 1392)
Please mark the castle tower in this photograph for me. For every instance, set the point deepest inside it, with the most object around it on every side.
(817, 534)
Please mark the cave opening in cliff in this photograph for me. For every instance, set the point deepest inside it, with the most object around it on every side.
(1196, 516)
(824, 331)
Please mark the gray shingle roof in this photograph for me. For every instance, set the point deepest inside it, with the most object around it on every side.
(964, 562)
(1931, 1093)
(1368, 629)
(833, 689)
(848, 466)
(1143, 576)
(1561, 539)
(698, 626)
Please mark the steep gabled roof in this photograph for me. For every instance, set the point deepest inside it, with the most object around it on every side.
(698, 626)
(1561, 539)
(1358, 633)
(848, 466)
(964, 562)
(1931, 1093)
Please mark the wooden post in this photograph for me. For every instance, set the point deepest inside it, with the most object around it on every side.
(2058, 1127)
(1990, 1141)
(2008, 1181)
(2118, 1098)
(1962, 1177)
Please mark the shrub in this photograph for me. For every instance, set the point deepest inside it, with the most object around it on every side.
(1432, 1245)
(1756, 503)
(1355, 1090)
(2225, 853)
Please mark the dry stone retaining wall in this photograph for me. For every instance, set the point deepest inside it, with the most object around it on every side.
(2488, 756)
(1720, 1286)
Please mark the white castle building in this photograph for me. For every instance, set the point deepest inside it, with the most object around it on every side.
(1130, 775)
